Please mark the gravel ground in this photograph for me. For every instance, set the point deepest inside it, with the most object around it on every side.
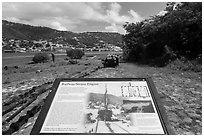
(180, 92)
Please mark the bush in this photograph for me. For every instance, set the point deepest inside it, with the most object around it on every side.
(41, 58)
(185, 65)
(75, 53)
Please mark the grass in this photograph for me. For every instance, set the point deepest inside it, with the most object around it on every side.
(11, 59)
(20, 68)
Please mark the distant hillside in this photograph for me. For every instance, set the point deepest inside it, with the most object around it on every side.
(94, 97)
(19, 31)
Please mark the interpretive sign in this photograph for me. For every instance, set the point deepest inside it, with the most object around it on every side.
(102, 106)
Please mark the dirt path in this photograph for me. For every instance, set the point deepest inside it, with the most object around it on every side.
(180, 92)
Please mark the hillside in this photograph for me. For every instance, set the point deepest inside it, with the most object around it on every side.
(11, 30)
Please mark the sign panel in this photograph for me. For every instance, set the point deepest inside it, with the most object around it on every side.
(101, 106)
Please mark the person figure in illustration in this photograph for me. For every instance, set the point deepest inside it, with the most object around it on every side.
(53, 57)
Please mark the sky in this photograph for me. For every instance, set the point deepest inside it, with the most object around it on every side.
(80, 16)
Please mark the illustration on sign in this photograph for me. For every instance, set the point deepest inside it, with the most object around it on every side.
(103, 107)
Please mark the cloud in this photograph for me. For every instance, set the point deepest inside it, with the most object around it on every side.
(68, 16)
(117, 21)
(113, 15)
(135, 16)
(95, 5)
(112, 28)
(115, 28)
(58, 26)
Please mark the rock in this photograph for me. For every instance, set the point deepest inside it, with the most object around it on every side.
(186, 126)
(189, 110)
(189, 133)
(181, 114)
(178, 107)
(22, 82)
(38, 71)
(6, 67)
(198, 122)
(198, 133)
(194, 115)
(86, 64)
(73, 61)
(179, 131)
(187, 120)
(173, 117)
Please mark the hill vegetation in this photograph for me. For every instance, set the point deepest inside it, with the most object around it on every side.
(11, 30)
(164, 38)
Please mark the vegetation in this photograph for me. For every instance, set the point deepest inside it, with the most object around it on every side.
(41, 58)
(185, 65)
(163, 38)
(19, 31)
(75, 53)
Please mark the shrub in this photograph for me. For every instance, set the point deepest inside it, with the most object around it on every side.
(185, 65)
(41, 58)
(75, 53)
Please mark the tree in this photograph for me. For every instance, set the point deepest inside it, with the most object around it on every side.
(180, 29)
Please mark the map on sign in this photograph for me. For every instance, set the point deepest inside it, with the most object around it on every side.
(109, 107)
